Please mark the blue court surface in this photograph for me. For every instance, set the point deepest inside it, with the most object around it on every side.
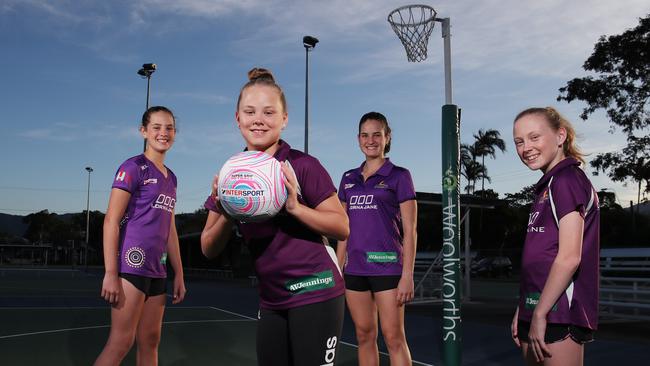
(55, 317)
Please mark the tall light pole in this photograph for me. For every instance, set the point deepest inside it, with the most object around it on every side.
(309, 42)
(146, 71)
(89, 170)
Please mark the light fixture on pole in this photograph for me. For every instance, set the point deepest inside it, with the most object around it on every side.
(309, 42)
(146, 71)
(413, 25)
(89, 170)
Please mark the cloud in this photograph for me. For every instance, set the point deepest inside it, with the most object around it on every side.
(200, 97)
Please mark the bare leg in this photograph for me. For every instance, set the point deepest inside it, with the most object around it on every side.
(565, 353)
(364, 314)
(149, 329)
(391, 318)
(125, 316)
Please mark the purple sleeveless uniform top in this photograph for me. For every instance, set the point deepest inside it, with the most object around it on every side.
(562, 190)
(294, 265)
(374, 247)
(144, 229)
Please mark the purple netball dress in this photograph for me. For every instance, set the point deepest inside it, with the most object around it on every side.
(144, 229)
(294, 264)
(562, 190)
(375, 244)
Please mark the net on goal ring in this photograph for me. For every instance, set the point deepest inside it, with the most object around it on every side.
(413, 25)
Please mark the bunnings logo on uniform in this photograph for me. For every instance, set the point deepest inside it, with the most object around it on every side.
(381, 257)
(317, 281)
(532, 299)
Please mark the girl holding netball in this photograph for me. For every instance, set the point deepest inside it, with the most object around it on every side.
(139, 238)
(558, 303)
(379, 256)
(300, 285)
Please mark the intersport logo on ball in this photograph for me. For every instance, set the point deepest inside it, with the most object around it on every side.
(243, 192)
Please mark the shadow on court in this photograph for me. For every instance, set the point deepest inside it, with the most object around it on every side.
(55, 317)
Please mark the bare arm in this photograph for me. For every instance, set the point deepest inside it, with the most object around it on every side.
(328, 218)
(174, 254)
(564, 266)
(342, 247)
(117, 204)
(409, 212)
(216, 234)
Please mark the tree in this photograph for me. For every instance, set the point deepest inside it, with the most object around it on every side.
(474, 171)
(621, 84)
(522, 198)
(607, 200)
(633, 162)
(467, 160)
(485, 145)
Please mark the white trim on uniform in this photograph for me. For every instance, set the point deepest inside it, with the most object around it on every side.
(569, 293)
(550, 196)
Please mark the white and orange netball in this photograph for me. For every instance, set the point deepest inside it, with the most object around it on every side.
(251, 186)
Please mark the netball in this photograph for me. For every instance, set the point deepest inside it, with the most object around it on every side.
(251, 188)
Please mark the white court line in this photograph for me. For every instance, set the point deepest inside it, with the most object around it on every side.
(108, 326)
(346, 343)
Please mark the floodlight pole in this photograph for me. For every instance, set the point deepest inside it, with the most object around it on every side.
(146, 71)
(451, 279)
(307, 49)
(89, 170)
(309, 42)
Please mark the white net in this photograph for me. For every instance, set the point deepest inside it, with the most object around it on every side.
(413, 25)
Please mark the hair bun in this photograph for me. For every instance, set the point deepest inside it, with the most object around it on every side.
(259, 73)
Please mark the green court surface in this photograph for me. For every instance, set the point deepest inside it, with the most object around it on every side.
(57, 318)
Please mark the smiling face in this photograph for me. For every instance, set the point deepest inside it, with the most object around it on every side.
(373, 139)
(539, 146)
(159, 132)
(261, 117)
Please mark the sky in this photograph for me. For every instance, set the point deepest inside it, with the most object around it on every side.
(70, 96)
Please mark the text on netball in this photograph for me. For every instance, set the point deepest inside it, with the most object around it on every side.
(243, 192)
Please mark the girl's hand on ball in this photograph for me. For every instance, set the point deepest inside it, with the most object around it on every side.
(215, 197)
(291, 182)
(215, 186)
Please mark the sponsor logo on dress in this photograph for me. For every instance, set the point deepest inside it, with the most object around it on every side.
(316, 281)
(532, 299)
(362, 202)
(150, 181)
(121, 175)
(381, 185)
(143, 167)
(532, 217)
(163, 258)
(348, 185)
(164, 202)
(544, 196)
(381, 257)
(330, 352)
(134, 257)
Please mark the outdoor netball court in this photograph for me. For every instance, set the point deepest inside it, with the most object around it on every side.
(55, 317)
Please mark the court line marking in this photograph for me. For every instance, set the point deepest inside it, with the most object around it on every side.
(108, 326)
(342, 342)
(248, 318)
(170, 307)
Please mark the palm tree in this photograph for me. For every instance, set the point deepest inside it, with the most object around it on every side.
(473, 171)
(467, 160)
(485, 145)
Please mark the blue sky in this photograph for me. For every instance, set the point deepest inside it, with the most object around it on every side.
(71, 97)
